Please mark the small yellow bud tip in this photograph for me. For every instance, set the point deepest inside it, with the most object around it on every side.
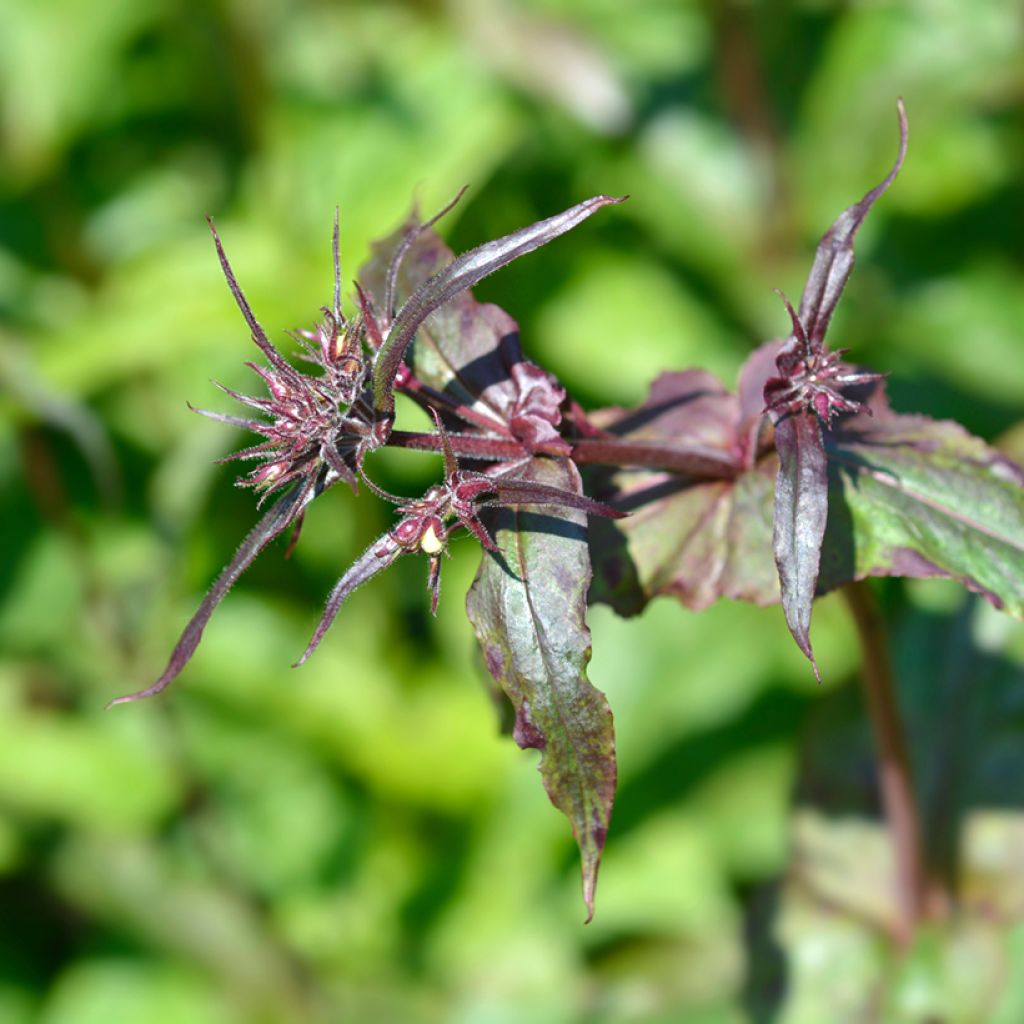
(430, 542)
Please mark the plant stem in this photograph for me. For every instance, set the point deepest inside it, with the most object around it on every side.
(471, 446)
(696, 460)
(894, 774)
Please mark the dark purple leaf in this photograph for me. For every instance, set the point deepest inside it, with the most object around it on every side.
(696, 535)
(801, 510)
(808, 391)
(462, 273)
(457, 347)
(277, 519)
(528, 606)
(468, 354)
(376, 558)
(526, 492)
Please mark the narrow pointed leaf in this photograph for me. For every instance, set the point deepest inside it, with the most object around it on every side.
(274, 522)
(525, 492)
(457, 346)
(833, 260)
(469, 352)
(462, 273)
(528, 606)
(259, 335)
(376, 558)
(801, 511)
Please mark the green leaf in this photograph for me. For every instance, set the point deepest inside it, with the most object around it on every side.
(913, 496)
(528, 606)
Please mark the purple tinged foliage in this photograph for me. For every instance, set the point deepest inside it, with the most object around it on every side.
(462, 273)
(318, 427)
(528, 608)
(426, 524)
(806, 395)
(727, 494)
(801, 511)
(282, 514)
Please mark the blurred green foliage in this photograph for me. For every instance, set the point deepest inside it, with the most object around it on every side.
(355, 841)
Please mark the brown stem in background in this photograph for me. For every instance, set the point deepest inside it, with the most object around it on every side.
(894, 775)
(745, 90)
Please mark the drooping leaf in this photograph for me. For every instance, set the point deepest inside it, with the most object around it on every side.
(528, 606)
(285, 511)
(462, 273)
(801, 510)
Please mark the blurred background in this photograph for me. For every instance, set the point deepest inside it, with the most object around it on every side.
(355, 840)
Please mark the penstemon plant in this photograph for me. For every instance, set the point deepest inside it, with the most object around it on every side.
(802, 481)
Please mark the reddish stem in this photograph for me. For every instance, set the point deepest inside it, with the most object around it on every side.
(470, 446)
(693, 460)
(895, 779)
(429, 397)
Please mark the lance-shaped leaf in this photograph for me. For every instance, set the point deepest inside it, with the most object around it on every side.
(801, 511)
(285, 511)
(913, 496)
(467, 359)
(527, 492)
(457, 346)
(528, 606)
(376, 558)
(809, 387)
(833, 260)
(462, 273)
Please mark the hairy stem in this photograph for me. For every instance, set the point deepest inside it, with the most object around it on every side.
(429, 397)
(894, 774)
(692, 460)
(470, 446)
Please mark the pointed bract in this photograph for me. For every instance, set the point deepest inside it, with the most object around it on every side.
(376, 558)
(801, 511)
(278, 518)
(809, 392)
(462, 273)
(833, 260)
